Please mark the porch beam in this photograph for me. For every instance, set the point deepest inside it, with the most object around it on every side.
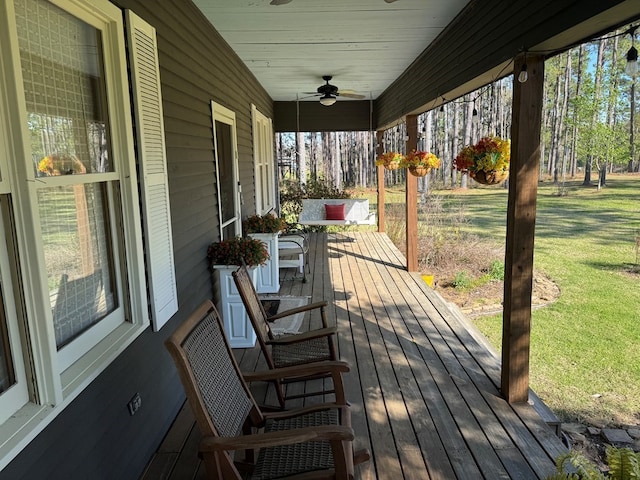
(380, 151)
(521, 215)
(412, 197)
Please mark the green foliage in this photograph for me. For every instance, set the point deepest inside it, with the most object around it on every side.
(624, 464)
(462, 280)
(264, 224)
(574, 465)
(496, 270)
(236, 250)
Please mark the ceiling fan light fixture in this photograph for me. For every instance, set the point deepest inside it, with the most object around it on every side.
(327, 100)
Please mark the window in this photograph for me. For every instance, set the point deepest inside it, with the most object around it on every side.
(226, 155)
(263, 160)
(73, 257)
(70, 144)
(13, 384)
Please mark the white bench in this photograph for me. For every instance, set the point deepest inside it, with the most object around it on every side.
(356, 211)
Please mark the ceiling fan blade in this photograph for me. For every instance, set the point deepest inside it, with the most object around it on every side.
(349, 94)
(388, 1)
(280, 2)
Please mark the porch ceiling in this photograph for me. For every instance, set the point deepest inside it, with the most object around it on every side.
(408, 55)
(364, 44)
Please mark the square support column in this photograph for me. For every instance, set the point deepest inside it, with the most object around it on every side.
(380, 151)
(521, 217)
(412, 198)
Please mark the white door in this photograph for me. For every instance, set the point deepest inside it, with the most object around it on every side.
(226, 155)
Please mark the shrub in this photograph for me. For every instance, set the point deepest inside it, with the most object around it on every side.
(264, 224)
(236, 250)
(462, 280)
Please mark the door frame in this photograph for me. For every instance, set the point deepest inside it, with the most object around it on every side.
(224, 115)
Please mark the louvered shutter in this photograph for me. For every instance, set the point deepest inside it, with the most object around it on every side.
(152, 165)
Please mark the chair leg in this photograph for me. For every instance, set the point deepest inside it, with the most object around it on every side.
(361, 456)
(280, 392)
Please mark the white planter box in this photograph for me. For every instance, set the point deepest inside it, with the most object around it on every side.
(269, 277)
(237, 325)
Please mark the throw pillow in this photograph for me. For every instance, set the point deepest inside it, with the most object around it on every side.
(334, 211)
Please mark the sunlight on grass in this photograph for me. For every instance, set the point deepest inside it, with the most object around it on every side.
(585, 348)
(585, 361)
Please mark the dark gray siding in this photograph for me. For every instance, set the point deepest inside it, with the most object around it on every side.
(344, 115)
(475, 48)
(94, 437)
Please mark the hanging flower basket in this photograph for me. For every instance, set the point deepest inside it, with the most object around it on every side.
(491, 177)
(390, 160)
(420, 163)
(418, 170)
(487, 161)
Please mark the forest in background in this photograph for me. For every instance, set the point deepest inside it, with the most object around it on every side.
(589, 126)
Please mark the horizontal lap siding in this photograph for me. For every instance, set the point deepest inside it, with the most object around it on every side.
(95, 437)
(484, 38)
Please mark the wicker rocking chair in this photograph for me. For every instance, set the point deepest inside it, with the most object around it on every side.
(291, 349)
(310, 443)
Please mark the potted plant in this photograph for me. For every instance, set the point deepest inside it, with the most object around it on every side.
(267, 229)
(487, 161)
(390, 160)
(268, 223)
(224, 257)
(420, 163)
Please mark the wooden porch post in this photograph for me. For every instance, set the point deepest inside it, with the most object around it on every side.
(412, 198)
(521, 216)
(380, 151)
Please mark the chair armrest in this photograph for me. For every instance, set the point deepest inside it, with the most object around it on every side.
(315, 368)
(303, 337)
(293, 311)
(272, 439)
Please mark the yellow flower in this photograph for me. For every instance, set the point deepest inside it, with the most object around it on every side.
(489, 154)
(418, 158)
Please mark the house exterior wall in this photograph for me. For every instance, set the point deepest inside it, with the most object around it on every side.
(344, 115)
(95, 437)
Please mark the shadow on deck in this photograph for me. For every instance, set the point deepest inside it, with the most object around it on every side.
(423, 384)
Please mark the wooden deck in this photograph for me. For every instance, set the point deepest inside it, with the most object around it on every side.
(423, 385)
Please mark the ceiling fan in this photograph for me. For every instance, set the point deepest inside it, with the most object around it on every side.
(328, 93)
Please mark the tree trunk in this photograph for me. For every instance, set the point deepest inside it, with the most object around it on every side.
(632, 122)
(468, 123)
(574, 140)
(455, 143)
(301, 152)
(562, 145)
(598, 78)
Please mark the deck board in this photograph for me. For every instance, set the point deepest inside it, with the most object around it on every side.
(423, 385)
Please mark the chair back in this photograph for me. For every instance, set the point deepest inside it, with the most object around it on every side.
(217, 393)
(255, 310)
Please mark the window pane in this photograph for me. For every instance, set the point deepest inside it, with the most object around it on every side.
(64, 85)
(224, 146)
(77, 249)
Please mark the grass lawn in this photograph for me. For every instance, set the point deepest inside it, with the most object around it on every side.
(585, 348)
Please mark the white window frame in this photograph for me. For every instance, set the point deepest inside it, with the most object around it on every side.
(224, 115)
(264, 167)
(53, 388)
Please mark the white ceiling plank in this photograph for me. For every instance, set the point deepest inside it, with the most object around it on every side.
(364, 44)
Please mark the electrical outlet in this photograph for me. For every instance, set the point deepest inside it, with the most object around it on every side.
(134, 404)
